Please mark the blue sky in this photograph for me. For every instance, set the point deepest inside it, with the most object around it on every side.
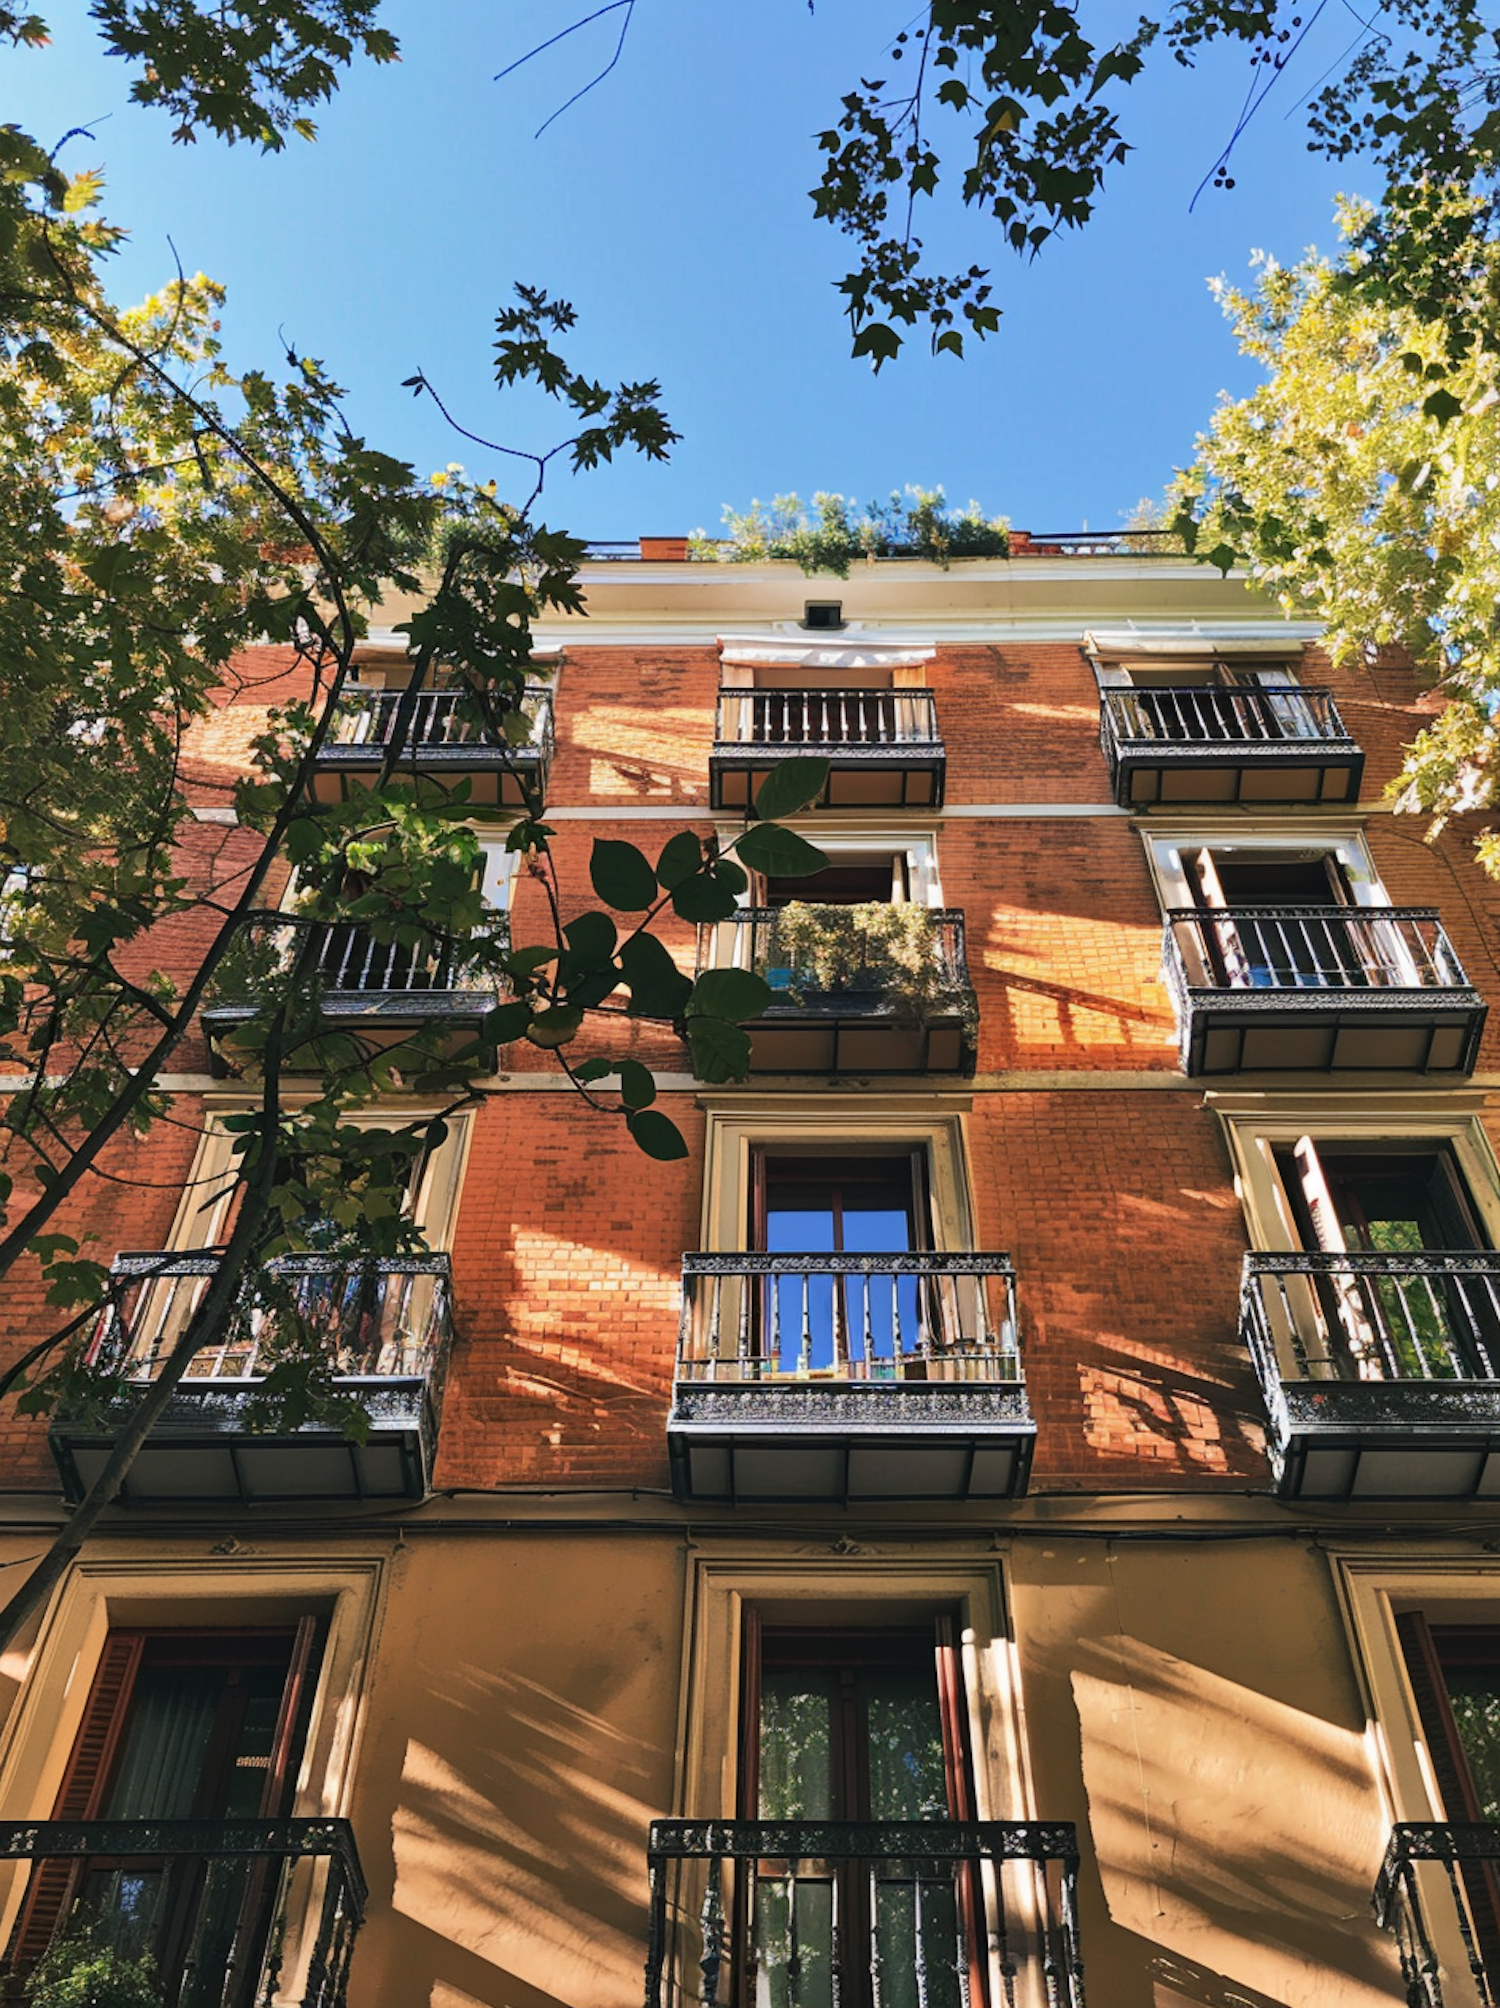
(670, 206)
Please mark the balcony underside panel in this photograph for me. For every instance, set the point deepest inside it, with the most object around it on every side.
(860, 777)
(1148, 773)
(1387, 1439)
(1332, 1031)
(913, 1440)
(846, 1037)
(202, 1450)
(380, 1017)
(495, 776)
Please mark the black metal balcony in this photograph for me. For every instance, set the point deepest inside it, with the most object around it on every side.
(231, 1913)
(850, 997)
(799, 1914)
(1379, 1372)
(849, 1377)
(364, 985)
(1271, 743)
(882, 746)
(1323, 989)
(443, 740)
(384, 1325)
(1439, 1894)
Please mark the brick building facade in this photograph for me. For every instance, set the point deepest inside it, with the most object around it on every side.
(1059, 1412)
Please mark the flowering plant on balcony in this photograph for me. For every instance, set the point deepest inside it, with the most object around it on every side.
(895, 951)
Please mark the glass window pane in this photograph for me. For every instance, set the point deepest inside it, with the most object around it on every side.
(796, 1746)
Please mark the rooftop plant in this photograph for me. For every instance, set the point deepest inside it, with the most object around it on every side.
(835, 531)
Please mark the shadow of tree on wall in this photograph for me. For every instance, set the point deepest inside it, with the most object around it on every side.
(1236, 1834)
(520, 1844)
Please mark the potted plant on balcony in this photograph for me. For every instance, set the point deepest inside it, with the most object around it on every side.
(82, 1970)
(890, 953)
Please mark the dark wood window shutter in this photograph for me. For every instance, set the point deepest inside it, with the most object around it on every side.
(82, 1791)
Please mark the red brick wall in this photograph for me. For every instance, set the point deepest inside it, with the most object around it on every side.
(1117, 1203)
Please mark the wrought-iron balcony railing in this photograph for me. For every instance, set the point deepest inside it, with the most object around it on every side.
(384, 1326)
(849, 1376)
(1439, 1894)
(1241, 743)
(358, 978)
(800, 1913)
(850, 996)
(882, 746)
(443, 738)
(232, 1913)
(1324, 987)
(1381, 1372)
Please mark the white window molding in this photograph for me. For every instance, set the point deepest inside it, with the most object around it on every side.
(854, 840)
(810, 1123)
(1374, 1593)
(190, 1592)
(1170, 852)
(821, 1591)
(1255, 1127)
(202, 1212)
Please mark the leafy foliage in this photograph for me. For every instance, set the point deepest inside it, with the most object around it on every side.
(836, 532)
(82, 1970)
(894, 950)
(1361, 483)
(1024, 99)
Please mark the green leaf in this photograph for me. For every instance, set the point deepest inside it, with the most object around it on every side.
(779, 852)
(658, 988)
(720, 1052)
(622, 876)
(1224, 556)
(657, 1135)
(735, 994)
(878, 341)
(791, 785)
(637, 1085)
(1442, 405)
(706, 897)
(680, 858)
(590, 938)
(527, 961)
(593, 1070)
(554, 1028)
(304, 839)
(506, 1022)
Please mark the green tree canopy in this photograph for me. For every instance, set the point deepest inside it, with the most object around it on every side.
(1361, 482)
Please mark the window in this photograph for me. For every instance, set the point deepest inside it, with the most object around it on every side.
(857, 1724)
(1397, 1200)
(866, 865)
(1454, 1670)
(1297, 867)
(180, 1725)
(875, 1181)
(1142, 661)
(875, 1205)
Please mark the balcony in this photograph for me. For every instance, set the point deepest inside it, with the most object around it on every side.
(867, 989)
(798, 1914)
(849, 1377)
(386, 1325)
(364, 985)
(1439, 1895)
(1379, 1372)
(442, 741)
(232, 1913)
(1279, 743)
(1324, 989)
(882, 746)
